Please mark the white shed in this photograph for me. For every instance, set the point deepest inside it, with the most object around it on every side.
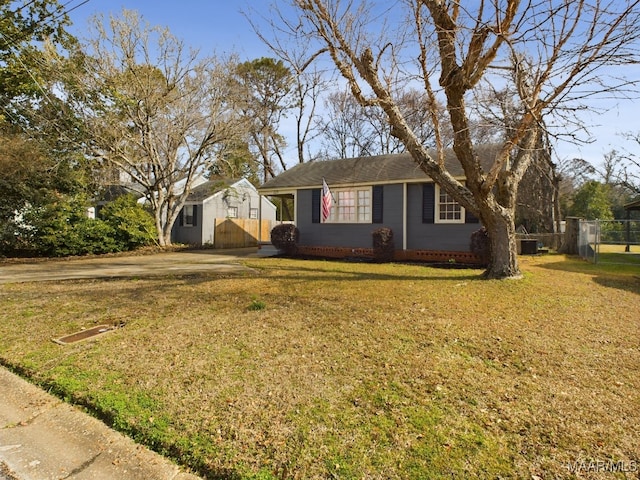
(224, 214)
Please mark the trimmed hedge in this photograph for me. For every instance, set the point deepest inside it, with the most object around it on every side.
(285, 237)
(383, 245)
(480, 244)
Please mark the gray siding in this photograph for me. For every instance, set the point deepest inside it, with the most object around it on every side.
(392, 213)
(434, 236)
(420, 236)
(354, 235)
(188, 235)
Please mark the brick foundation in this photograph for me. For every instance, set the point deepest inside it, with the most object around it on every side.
(427, 256)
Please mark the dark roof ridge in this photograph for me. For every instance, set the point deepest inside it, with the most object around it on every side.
(398, 167)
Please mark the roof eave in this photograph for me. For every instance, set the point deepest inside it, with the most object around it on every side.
(635, 205)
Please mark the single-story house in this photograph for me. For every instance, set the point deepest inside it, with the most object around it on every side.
(215, 201)
(381, 191)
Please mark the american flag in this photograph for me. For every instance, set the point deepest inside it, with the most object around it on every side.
(326, 201)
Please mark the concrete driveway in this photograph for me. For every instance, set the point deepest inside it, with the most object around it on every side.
(185, 262)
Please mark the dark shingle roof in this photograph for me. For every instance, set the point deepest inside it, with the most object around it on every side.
(365, 170)
(112, 192)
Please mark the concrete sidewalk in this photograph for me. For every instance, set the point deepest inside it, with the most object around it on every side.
(43, 438)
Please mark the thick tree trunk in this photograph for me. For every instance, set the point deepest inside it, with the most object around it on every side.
(503, 263)
(164, 236)
(164, 239)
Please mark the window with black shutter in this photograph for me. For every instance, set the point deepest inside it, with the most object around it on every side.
(376, 214)
(470, 217)
(428, 202)
(315, 205)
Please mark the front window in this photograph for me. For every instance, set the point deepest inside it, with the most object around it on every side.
(447, 209)
(232, 212)
(188, 216)
(253, 213)
(351, 206)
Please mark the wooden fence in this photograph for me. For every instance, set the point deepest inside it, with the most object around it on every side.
(241, 232)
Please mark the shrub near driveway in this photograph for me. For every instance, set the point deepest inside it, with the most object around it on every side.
(351, 370)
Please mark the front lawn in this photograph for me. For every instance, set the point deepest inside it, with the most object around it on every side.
(317, 369)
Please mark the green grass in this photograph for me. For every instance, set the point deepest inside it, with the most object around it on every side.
(317, 369)
(615, 254)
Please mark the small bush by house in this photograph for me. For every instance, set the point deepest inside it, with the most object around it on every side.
(480, 244)
(383, 244)
(285, 237)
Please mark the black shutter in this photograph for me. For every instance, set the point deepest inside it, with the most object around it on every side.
(376, 204)
(195, 216)
(470, 217)
(315, 205)
(428, 202)
(181, 217)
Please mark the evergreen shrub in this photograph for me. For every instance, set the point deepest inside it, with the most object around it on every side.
(285, 237)
(480, 244)
(133, 226)
(383, 244)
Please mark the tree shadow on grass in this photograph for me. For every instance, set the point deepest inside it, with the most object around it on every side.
(141, 286)
(335, 269)
(322, 270)
(625, 277)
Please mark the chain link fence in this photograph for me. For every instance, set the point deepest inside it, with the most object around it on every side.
(609, 241)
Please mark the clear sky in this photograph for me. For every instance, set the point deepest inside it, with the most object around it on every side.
(210, 25)
(219, 26)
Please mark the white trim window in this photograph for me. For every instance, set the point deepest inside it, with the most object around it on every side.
(350, 205)
(232, 212)
(253, 213)
(447, 209)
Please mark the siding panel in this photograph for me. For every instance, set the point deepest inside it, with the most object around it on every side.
(354, 235)
(433, 236)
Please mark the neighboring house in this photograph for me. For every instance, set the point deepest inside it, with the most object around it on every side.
(116, 182)
(110, 193)
(211, 203)
(372, 192)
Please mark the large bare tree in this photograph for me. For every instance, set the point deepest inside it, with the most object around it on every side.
(352, 130)
(555, 56)
(153, 109)
(628, 168)
(346, 132)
